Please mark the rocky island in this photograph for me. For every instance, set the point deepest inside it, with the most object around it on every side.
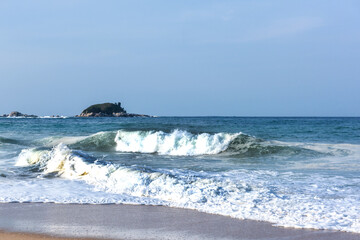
(19, 114)
(108, 110)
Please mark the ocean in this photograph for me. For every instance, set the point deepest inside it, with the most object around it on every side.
(292, 172)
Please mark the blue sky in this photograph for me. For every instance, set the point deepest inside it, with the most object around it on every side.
(232, 58)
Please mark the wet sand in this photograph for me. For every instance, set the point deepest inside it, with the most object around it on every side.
(48, 220)
(28, 236)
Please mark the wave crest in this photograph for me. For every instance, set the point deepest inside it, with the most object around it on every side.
(60, 160)
(178, 142)
(181, 143)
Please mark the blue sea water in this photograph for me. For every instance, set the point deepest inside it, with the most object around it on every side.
(293, 172)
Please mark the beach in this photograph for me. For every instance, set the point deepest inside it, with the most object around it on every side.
(115, 221)
(30, 236)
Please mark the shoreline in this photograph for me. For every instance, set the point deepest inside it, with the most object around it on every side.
(51, 221)
(4, 235)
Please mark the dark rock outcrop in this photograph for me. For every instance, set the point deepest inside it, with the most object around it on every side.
(108, 110)
(16, 114)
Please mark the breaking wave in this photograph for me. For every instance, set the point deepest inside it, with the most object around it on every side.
(181, 143)
(258, 195)
(101, 141)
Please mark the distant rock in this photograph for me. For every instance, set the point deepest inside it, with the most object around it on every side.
(16, 114)
(19, 114)
(108, 110)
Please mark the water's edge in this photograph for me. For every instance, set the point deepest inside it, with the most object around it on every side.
(119, 221)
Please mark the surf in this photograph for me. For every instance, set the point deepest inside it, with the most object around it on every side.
(183, 143)
(245, 194)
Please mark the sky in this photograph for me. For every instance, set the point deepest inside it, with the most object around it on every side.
(181, 58)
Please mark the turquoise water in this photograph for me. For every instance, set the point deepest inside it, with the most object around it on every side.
(293, 172)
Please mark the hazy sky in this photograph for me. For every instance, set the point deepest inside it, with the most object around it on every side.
(234, 58)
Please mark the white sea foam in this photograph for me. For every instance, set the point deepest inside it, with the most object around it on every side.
(286, 199)
(180, 143)
(327, 148)
(54, 116)
(335, 156)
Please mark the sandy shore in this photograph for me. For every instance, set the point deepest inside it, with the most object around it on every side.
(29, 236)
(50, 221)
